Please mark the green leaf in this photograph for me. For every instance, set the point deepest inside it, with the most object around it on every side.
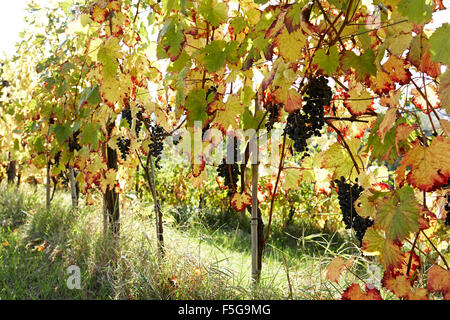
(398, 214)
(328, 63)
(196, 105)
(417, 11)
(440, 45)
(110, 65)
(89, 134)
(364, 65)
(62, 132)
(215, 55)
(215, 13)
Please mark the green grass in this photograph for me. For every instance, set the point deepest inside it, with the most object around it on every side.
(207, 254)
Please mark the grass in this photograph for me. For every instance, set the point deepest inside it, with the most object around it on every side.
(203, 260)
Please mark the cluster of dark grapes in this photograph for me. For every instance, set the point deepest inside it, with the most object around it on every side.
(124, 146)
(229, 168)
(274, 114)
(73, 142)
(57, 158)
(347, 195)
(303, 124)
(139, 121)
(128, 116)
(157, 136)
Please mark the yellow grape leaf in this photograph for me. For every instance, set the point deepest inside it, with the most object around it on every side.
(335, 268)
(364, 206)
(292, 178)
(387, 123)
(290, 44)
(197, 182)
(375, 243)
(359, 100)
(354, 292)
(338, 160)
(108, 181)
(394, 70)
(227, 118)
(430, 166)
(402, 133)
(239, 201)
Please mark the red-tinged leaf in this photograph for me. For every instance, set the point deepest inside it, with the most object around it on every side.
(432, 98)
(398, 213)
(430, 166)
(227, 118)
(402, 133)
(354, 292)
(98, 14)
(359, 100)
(375, 243)
(198, 168)
(401, 287)
(393, 71)
(335, 268)
(239, 201)
(293, 101)
(388, 122)
(439, 281)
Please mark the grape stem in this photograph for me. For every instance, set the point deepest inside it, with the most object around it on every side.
(435, 249)
(345, 145)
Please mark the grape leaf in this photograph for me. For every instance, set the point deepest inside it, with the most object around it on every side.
(375, 243)
(417, 11)
(88, 134)
(444, 90)
(214, 12)
(196, 106)
(335, 268)
(363, 65)
(327, 62)
(398, 213)
(227, 118)
(354, 292)
(290, 44)
(239, 201)
(62, 132)
(292, 178)
(359, 100)
(337, 158)
(215, 55)
(401, 287)
(439, 281)
(439, 44)
(430, 166)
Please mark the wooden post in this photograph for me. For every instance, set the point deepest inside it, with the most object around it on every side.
(111, 197)
(158, 213)
(73, 188)
(11, 171)
(47, 188)
(256, 259)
